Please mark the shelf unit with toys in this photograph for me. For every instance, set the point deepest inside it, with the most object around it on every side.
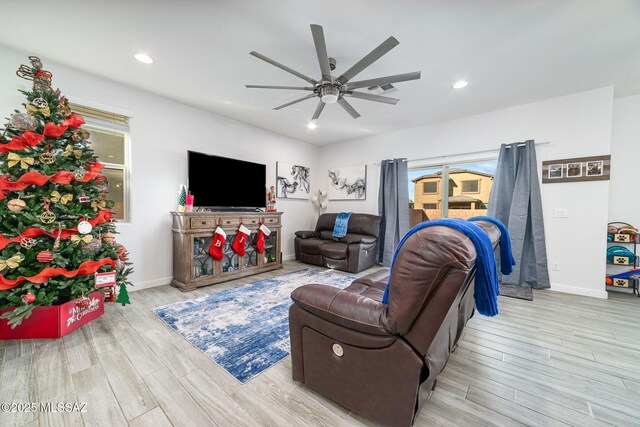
(623, 272)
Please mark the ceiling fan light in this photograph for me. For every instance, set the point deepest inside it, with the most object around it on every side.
(329, 94)
(330, 98)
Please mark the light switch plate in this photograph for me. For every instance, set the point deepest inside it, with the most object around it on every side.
(560, 213)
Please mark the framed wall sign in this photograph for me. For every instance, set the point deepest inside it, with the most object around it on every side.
(595, 168)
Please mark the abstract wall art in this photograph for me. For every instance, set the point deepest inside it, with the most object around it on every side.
(348, 183)
(292, 181)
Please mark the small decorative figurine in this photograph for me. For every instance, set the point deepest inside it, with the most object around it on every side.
(271, 199)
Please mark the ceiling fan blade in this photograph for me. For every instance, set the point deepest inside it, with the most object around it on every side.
(283, 67)
(318, 111)
(383, 80)
(313, 95)
(321, 50)
(372, 57)
(348, 108)
(370, 97)
(278, 87)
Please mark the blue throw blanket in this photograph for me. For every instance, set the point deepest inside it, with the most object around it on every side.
(506, 257)
(486, 281)
(342, 222)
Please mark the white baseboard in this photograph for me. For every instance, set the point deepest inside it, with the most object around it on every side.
(150, 284)
(288, 257)
(580, 291)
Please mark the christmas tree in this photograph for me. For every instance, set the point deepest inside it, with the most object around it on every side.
(123, 295)
(56, 229)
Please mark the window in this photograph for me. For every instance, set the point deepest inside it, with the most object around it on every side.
(454, 190)
(430, 187)
(471, 186)
(110, 142)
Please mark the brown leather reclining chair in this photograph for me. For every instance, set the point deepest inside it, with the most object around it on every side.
(381, 360)
(354, 252)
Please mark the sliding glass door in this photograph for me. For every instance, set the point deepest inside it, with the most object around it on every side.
(458, 190)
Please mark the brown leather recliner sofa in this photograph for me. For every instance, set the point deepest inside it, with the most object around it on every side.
(382, 360)
(354, 252)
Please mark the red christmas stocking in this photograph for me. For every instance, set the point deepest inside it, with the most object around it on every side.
(219, 237)
(240, 240)
(263, 232)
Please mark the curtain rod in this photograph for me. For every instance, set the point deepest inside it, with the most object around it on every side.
(464, 154)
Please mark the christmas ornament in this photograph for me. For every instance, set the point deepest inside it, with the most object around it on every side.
(27, 242)
(11, 263)
(109, 238)
(263, 232)
(182, 198)
(123, 295)
(84, 227)
(80, 134)
(23, 122)
(217, 243)
(47, 216)
(39, 105)
(122, 252)
(41, 79)
(56, 244)
(83, 301)
(16, 205)
(69, 150)
(28, 298)
(119, 264)
(101, 203)
(14, 159)
(45, 256)
(76, 238)
(63, 107)
(79, 173)
(92, 247)
(56, 197)
(240, 240)
(83, 199)
(47, 158)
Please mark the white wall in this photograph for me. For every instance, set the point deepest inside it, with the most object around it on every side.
(625, 159)
(576, 125)
(162, 131)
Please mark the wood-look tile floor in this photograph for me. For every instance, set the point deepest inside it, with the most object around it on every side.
(558, 360)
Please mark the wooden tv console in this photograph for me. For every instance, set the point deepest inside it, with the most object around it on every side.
(193, 267)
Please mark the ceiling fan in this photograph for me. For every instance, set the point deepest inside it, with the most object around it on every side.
(331, 89)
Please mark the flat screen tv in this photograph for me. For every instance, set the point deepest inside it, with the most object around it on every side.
(224, 183)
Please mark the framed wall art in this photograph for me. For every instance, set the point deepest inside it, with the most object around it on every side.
(348, 183)
(595, 168)
(292, 181)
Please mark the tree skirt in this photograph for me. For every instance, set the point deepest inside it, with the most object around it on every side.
(245, 330)
(516, 291)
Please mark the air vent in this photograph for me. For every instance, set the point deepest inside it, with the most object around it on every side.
(379, 90)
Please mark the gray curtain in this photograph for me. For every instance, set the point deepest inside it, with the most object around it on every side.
(515, 200)
(393, 206)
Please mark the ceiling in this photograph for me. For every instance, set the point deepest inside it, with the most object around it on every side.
(511, 52)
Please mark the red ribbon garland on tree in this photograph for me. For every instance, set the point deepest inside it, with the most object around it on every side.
(36, 178)
(20, 142)
(87, 267)
(51, 130)
(102, 217)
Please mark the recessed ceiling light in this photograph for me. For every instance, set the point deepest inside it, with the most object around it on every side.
(312, 125)
(146, 59)
(460, 84)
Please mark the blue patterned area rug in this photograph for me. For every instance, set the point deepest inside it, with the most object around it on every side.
(245, 329)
